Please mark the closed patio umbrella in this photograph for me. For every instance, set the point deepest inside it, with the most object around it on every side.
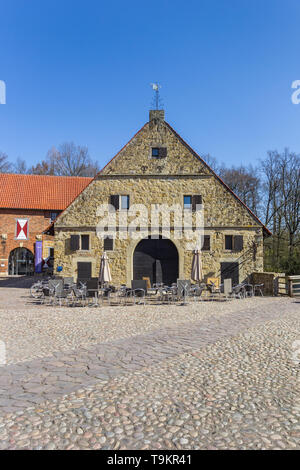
(197, 274)
(104, 274)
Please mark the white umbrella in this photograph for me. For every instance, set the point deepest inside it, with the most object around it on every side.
(104, 274)
(197, 273)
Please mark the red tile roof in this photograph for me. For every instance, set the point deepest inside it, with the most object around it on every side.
(39, 191)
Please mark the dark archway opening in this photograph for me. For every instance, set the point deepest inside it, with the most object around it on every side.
(156, 259)
(20, 262)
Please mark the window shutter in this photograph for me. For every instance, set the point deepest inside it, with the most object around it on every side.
(74, 242)
(108, 244)
(162, 152)
(85, 242)
(114, 201)
(196, 199)
(228, 242)
(206, 243)
(238, 242)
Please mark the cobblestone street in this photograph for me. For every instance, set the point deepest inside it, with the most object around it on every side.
(212, 377)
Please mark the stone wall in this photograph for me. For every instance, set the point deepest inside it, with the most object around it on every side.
(223, 215)
(149, 181)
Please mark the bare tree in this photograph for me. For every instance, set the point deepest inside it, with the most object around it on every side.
(71, 160)
(245, 182)
(42, 168)
(20, 166)
(5, 165)
(281, 198)
(211, 161)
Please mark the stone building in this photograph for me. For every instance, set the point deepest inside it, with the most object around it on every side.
(158, 167)
(28, 203)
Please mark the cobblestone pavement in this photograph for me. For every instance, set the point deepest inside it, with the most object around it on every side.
(222, 382)
(31, 331)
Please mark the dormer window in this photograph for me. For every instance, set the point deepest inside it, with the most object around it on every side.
(158, 152)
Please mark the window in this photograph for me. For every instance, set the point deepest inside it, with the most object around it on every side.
(108, 244)
(228, 242)
(187, 202)
(81, 242)
(234, 243)
(53, 215)
(51, 252)
(125, 202)
(118, 201)
(85, 242)
(191, 202)
(206, 243)
(159, 152)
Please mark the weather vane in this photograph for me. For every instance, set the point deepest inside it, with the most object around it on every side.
(156, 100)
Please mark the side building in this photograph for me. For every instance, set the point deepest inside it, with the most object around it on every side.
(158, 167)
(28, 203)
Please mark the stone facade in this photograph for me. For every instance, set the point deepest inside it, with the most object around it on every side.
(148, 181)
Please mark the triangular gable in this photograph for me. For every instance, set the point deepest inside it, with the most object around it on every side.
(122, 162)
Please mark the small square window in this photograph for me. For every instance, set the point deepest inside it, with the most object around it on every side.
(187, 202)
(155, 152)
(125, 202)
(228, 242)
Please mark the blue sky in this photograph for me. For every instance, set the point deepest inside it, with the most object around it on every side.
(80, 71)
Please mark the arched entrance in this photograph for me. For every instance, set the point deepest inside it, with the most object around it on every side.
(20, 262)
(156, 259)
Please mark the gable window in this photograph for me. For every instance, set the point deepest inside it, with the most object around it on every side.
(191, 202)
(124, 202)
(108, 244)
(187, 202)
(120, 201)
(158, 152)
(206, 243)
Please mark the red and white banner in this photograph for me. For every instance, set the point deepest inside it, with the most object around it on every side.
(22, 229)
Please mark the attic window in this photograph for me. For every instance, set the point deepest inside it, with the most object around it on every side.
(158, 152)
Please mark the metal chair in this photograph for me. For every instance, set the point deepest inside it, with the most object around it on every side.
(196, 292)
(183, 289)
(258, 288)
